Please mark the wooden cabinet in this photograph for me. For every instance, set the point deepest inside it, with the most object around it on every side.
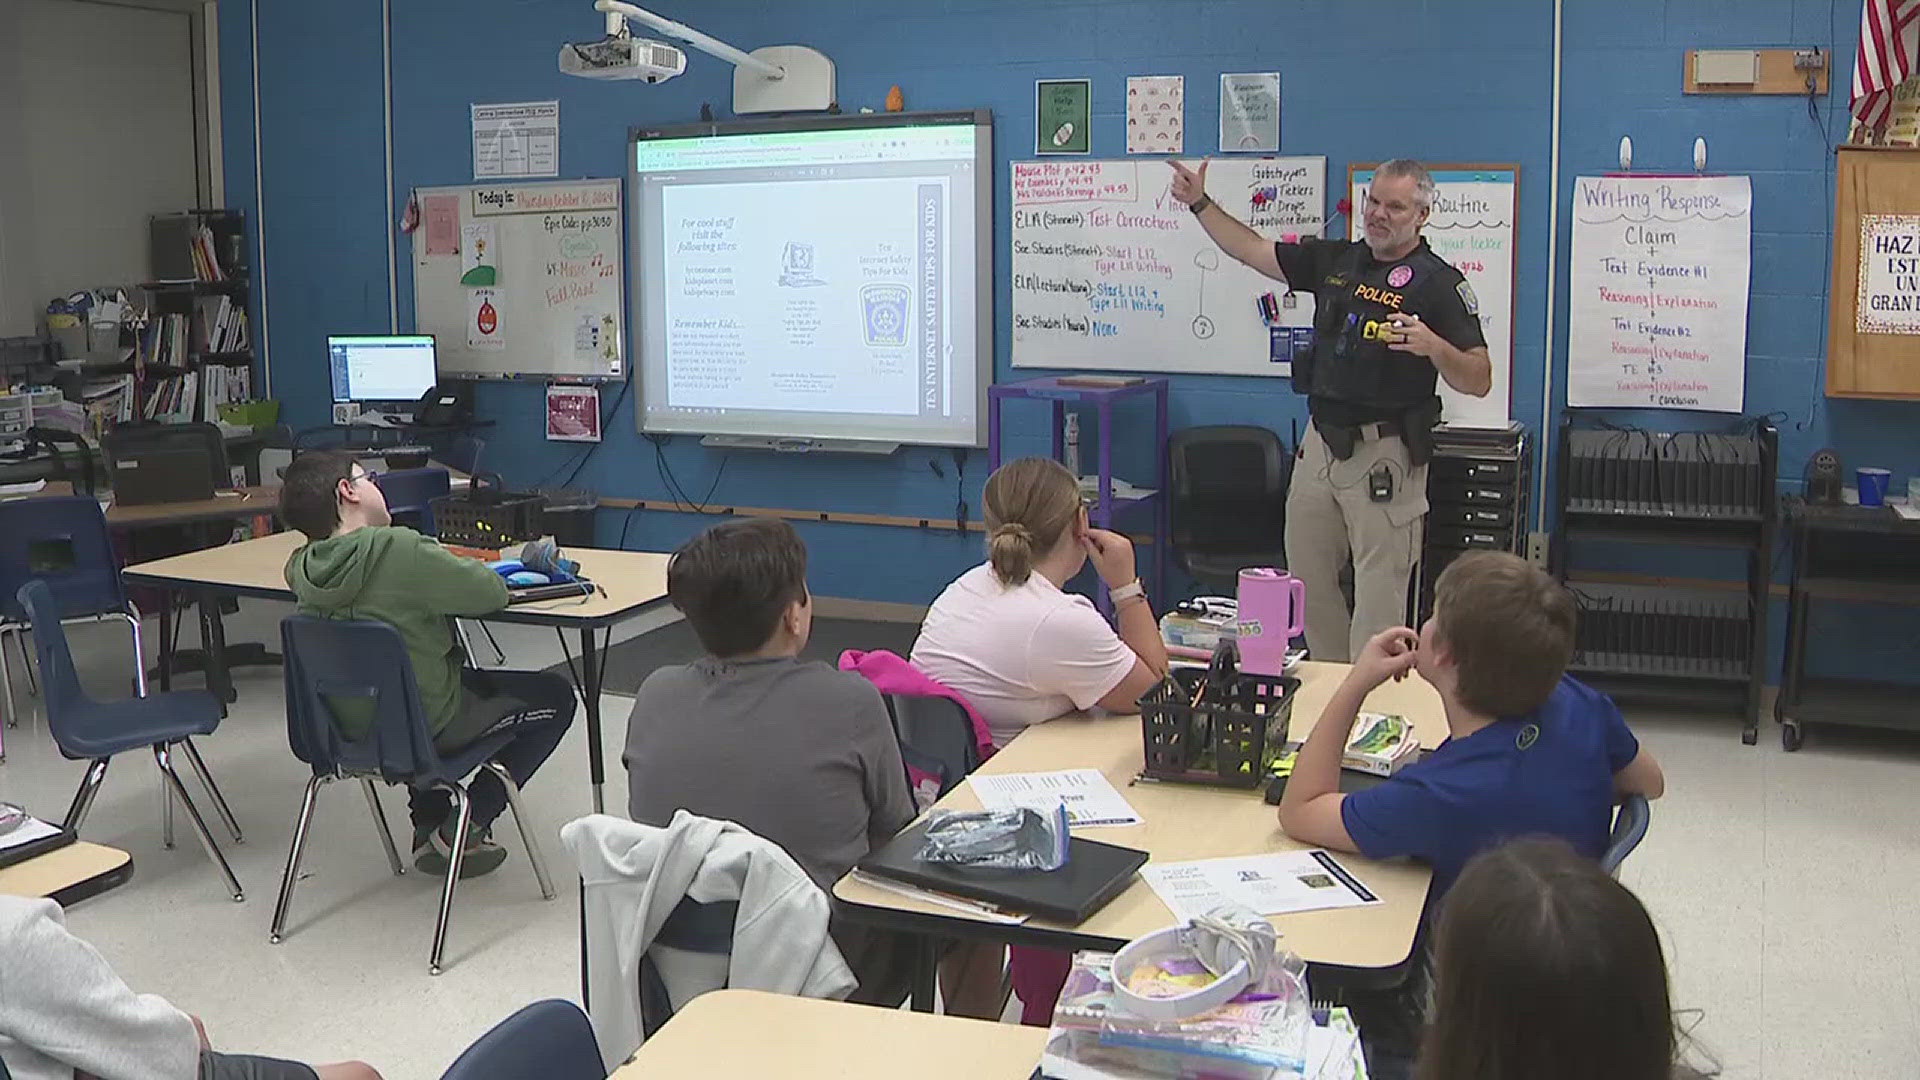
(1872, 180)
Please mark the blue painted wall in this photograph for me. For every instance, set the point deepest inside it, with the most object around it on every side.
(1456, 80)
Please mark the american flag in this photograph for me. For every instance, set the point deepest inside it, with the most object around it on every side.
(1889, 46)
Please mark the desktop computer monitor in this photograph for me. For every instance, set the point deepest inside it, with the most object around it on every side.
(381, 370)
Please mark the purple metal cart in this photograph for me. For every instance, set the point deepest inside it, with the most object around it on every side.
(1106, 505)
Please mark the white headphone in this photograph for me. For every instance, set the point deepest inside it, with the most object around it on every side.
(1234, 944)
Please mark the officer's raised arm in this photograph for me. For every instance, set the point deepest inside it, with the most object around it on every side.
(1234, 237)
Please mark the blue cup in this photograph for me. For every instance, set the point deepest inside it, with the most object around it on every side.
(1873, 485)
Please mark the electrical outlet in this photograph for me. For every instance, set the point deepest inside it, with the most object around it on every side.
(1537, 548)
(1809, 60)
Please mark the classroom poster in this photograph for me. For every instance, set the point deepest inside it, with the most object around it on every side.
(1658, 292)
(483, 319)
(573, 413)
(519, 139)
(1889, 300)
(1063, 116)
(479, 253)
(1156, 114)
(1250, 112)
(441, 215)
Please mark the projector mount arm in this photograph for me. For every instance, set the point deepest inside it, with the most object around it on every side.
(618, 13)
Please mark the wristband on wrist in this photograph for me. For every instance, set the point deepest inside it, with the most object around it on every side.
(1126, 592)
(1201, 204)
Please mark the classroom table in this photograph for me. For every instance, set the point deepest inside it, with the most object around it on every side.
(1357, 946)
(68, 875)
(632, 582)
(750, 1035)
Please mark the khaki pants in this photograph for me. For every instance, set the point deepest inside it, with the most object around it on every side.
(1331, 515)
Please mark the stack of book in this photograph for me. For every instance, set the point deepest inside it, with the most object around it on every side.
(206, 266)
(1381, 744)
(224, 324)
(223, 385)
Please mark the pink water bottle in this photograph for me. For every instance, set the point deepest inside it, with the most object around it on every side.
(1273, 608)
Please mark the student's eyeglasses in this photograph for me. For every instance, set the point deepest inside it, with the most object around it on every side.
(365, 474)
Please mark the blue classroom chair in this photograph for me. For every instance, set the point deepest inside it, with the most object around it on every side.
(360, 668)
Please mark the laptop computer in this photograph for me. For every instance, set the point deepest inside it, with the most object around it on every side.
(530, 594)
(1095, 873)
(161, 475)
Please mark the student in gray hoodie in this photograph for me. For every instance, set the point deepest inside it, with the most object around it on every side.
(359, 565)
(64, 1014)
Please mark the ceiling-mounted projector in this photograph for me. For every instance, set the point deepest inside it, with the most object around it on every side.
(622, 57)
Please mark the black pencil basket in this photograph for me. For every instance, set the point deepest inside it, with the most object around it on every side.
(1230, 739)
(486, 515)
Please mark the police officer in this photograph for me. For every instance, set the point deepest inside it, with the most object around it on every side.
(1389, 317)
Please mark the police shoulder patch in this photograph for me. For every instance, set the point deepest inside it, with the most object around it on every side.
(1467, 297)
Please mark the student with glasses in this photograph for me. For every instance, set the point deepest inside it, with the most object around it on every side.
(357, 564)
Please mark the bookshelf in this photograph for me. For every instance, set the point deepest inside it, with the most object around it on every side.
(195, 351)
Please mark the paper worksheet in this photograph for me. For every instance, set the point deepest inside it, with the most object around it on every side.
(1087, 794)
(27, 832)
(1277, 884)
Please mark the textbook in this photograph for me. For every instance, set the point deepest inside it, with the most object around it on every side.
(1381, 744)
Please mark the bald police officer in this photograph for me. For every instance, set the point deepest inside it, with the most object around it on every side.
(1389, 317)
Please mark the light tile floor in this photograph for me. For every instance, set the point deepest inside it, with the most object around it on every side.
(1784, 886)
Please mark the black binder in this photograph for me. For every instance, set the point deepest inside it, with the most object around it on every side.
(1095, 873)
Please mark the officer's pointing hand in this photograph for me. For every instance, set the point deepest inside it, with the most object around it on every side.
(1415, 336)
(1189, 186)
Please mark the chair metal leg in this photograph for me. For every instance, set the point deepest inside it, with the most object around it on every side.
(83, 798)
(166, 815)
(380, 819)
(26, 659)
(499, 654)
(163, 757)
(139, 652)
(463, 817)
(206, 779)
(6, 681)
(526, 834)
(294, 855)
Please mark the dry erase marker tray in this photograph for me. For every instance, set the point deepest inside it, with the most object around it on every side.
(1226, 736)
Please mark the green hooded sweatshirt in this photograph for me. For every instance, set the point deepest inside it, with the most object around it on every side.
(410, 582)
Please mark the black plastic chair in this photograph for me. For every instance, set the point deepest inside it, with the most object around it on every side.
(85, 729)
(547, 1040)
(1229, 501)
(410, 494)
(936, 737)
(1630, 823)
(692, 927)
(129, 439)
(357, 672)
(62, 540)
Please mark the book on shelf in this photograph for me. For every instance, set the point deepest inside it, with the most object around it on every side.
(206, 265)
(223, 325)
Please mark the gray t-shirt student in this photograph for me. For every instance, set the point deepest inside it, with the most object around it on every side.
(793, 750)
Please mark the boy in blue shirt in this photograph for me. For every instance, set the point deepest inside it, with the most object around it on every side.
(1530, 751)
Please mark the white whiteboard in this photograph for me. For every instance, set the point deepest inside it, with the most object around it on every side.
(1472, 227)
(1658, 292)
(522, 279)
(1110, 271)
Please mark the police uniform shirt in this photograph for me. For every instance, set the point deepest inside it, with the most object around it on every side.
(1353, 376)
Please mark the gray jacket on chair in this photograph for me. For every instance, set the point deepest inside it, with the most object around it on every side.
(634, 876)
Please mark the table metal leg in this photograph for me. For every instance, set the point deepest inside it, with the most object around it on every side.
(590, 689)
(586, 1002)
(213, 638)
(166, 640)
(926, 966)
